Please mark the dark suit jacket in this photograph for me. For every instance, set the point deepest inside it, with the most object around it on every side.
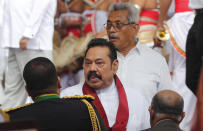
(57, 114)
(165, 125)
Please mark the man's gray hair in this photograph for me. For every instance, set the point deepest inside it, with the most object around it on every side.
(133, 15)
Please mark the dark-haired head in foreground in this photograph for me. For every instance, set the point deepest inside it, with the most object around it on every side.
(100, 63)
(103, 43)
(49, 111)
(40, 77)
(166, 104)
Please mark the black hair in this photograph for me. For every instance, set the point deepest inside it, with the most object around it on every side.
(159, 106)
(103, 43)
(40, 74)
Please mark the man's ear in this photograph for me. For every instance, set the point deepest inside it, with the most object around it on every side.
(152, 116)
(115, 66)
(136, 28)
(182, 116)
(151, 111)
(59, 82)
(27, 91)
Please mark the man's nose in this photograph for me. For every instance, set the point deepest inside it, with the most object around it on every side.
(93, 67)
(112, 29)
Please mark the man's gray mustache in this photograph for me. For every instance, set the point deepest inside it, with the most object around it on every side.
(113, 35)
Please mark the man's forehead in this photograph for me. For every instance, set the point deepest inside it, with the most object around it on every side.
(97, 52)
(119, 15)
(94, 59)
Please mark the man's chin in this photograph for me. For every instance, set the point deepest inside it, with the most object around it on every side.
(115, 43)
(95, 86)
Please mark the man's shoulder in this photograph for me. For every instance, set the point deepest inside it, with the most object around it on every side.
(147, 51)
(69, 106)
(150, 57)
(162, 128)
(58, 113)
(166, 125)
(51, 103)
(17, 108)
(72, 91)
(80, 98)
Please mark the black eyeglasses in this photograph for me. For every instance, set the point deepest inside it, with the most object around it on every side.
(117, 25)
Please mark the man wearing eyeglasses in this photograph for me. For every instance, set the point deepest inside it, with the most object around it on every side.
(141, 68)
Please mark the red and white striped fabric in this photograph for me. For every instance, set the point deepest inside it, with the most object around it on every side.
(148, 24)
(179, 25)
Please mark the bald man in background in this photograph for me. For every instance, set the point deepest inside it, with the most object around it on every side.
(166, 111)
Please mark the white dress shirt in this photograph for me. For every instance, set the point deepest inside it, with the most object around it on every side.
(33, 19)
(1, 12)
(109, 94)
(196, 4)
(138, 108)
(145, 70)
(177, 65)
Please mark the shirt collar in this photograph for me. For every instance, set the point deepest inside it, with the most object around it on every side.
(163, 120)
(45, 97)
(136, 49)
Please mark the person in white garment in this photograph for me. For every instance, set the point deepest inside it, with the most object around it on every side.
(3, 52)
(178, 27)
(27, 32)
(177, 67)
(120, 108)
(142, 69)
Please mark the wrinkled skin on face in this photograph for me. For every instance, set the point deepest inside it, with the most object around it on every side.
(123, 39)
(98, 70)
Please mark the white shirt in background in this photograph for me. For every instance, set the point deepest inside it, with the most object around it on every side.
(1, 12)
(177, 65)
(144, 70)
(196, 4)
(2, 51)
(32, 20)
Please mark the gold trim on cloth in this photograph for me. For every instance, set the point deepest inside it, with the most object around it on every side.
(5, 115)
(93, 116)
(174, 43)
(17, 107)
(92, 113)
(79, 97)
